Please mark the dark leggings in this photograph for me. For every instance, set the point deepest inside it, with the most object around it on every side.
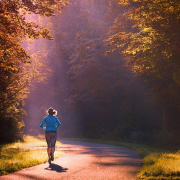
(51, 137)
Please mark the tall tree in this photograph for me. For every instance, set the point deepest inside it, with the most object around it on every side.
(17, 67)
(147, 34)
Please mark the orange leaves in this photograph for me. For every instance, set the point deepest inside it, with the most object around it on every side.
(14, 28)
(16, 71)
(124, 2)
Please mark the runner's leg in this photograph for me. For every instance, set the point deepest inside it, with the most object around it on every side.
(53, 143)
(48, 140)
(52, 153)
(49, 152)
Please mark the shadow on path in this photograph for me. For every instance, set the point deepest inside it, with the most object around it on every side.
(57, 168)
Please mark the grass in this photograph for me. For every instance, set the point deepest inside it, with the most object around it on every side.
(158, 164)
(161, 165)
(20, 155)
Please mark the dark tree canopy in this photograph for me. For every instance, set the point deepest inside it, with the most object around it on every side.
(147, 34)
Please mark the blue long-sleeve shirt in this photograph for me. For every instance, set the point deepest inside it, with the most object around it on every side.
(52, 123)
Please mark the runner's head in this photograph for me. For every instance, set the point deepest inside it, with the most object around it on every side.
(50, 111)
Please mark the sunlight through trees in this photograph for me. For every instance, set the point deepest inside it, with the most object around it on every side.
(17, 67)
(111, 68)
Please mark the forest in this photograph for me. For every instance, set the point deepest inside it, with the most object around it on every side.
(110, 68)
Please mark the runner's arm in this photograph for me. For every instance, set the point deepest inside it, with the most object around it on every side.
(57, 123)
(42, 124)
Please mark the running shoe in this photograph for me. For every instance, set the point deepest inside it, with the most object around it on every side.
(49, 161)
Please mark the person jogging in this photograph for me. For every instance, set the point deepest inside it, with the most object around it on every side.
(51, 123)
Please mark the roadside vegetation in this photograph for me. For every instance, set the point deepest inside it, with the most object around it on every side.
(20, 155)
(158, 163)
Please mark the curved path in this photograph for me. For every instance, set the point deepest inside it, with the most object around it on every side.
(85, 161)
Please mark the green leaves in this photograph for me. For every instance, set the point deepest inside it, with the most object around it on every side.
(146, 35)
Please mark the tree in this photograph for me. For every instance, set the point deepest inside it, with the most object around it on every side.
(17, 67)
(95, 95)
(100, 86)
(147, 35)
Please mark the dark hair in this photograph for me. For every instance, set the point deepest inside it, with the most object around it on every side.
(50, 110)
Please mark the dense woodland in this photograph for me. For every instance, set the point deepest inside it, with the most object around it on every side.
(109, 67)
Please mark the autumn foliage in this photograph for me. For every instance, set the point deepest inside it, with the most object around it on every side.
(115, 66)
(17, 67)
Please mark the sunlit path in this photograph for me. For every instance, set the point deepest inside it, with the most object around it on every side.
(85, 161)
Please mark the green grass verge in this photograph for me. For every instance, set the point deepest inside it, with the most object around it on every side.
(161, 165)
(20, 155)
(158, 164)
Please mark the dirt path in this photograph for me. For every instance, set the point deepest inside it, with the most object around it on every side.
(85, 161)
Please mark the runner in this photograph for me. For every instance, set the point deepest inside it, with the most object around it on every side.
(51, 123)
